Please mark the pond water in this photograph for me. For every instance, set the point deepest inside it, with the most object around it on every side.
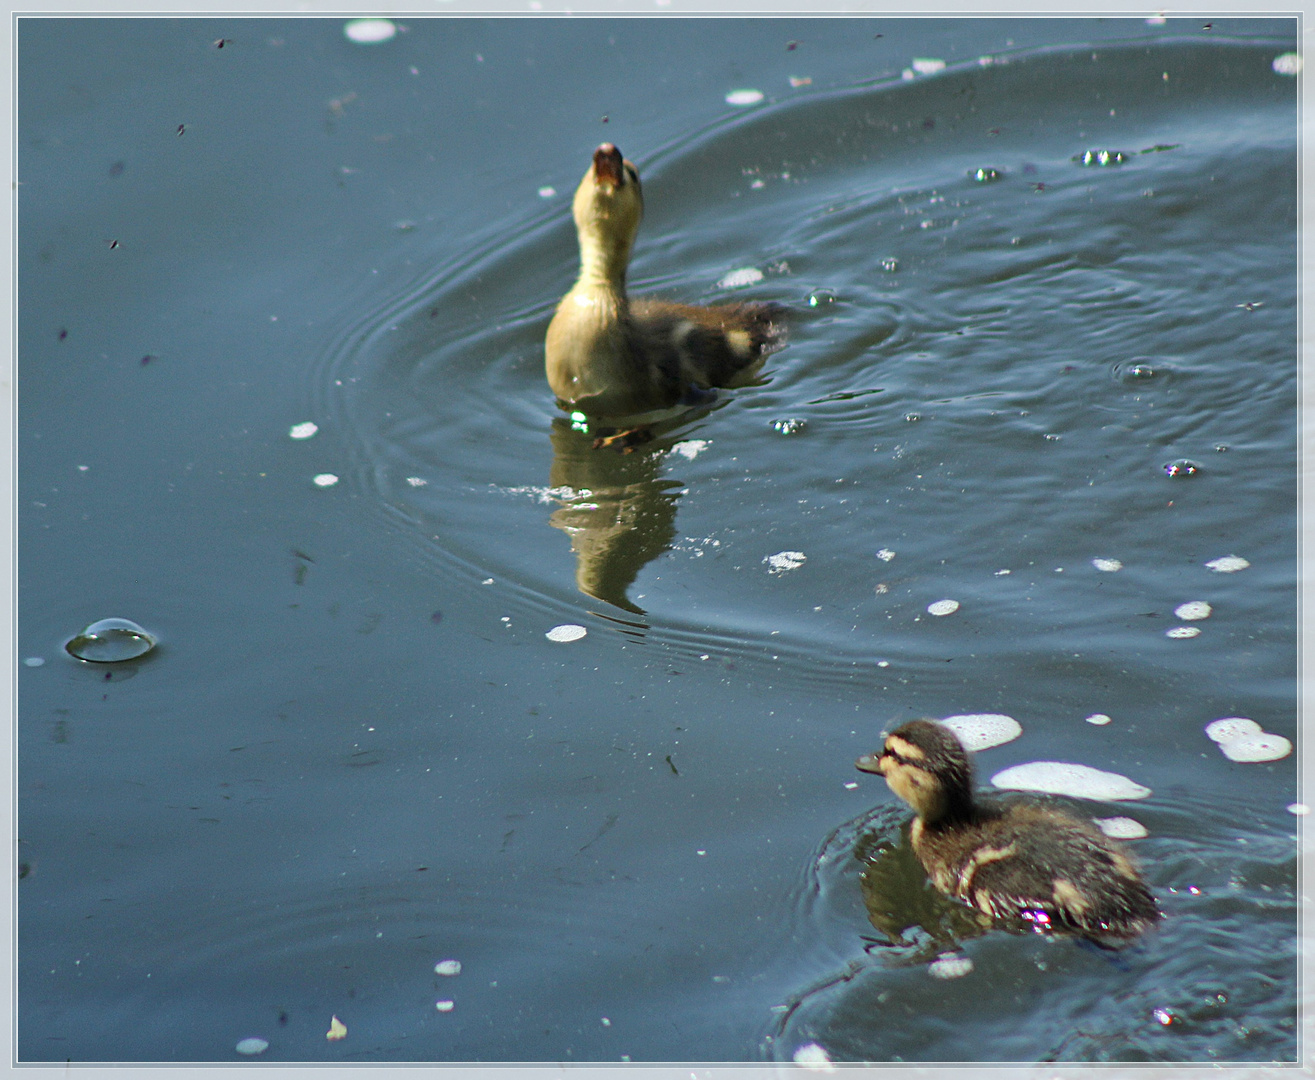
(1042, 363)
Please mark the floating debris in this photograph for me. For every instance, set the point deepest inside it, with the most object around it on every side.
(448, 967)
(252, 1047)
(792, 426)
(1183, 467)
(1193, 610)
(744, 97)
(1228, 564)
(302, 431)
(111, 641)
(1121, 828)
(1108, 566)
(690, 448)
(1065, 778)
(950, 966)
(1101, 157)
(980, 731)
(566, 632)
(785, 560)
(324, 479)
(337, 1030)
(813, 1058)
(1288, 63)
(943, 607)
(1099, 719)
(1181, 632)
(738, 279)
(370, 31)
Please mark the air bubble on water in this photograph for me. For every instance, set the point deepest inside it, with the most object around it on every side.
(985, 175)
(792, 426)
(981, 731)
(1183, 467)
(1121, 828)
(943, 607)
(1262, 747)
(821, 298)
(1193, 610)
(1228, 564)
(1109, 566)
(890, 265)
(369, 31)
(950, 966)
(1066, 778)
(912, 417)
(1101, 157)
(111, 641)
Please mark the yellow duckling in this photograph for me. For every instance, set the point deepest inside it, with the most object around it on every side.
(1017, 860)
(608, 356)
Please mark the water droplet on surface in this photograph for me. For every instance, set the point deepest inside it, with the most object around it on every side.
(1193, 610)
(111, 641)
(1109, 566)
(1228, 564)
(981, 731)
(1121, 828)
(820, 298)
(986, 176)
(744, 97)
(566, 632)
(1183, 467)
(1101, 157)
(1065, 778)
(943, 607)
(252, 1047)
(950, 966)
(369, 31)
(793, 426)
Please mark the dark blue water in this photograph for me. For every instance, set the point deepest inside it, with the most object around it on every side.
(355, 753)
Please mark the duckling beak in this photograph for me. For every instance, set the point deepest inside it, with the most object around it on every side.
(870, 763)
(607, 166)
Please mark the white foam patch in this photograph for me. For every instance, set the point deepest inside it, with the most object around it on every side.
(324, 479)
(1231, 727)
(1262, 747)
(1228, 564)
(738, 279)
(369, 31)
(547, 192)
(566, 632)
(302, 431)
(448, 967)
(690, 448)
(981, 731)
(1121, 828)
(927, 65)
(885, 554)
(1193, 610)
(1298, 808)
(1288, 63)
(1065, 778)
(1109, 566)
(251, 1047)
(1099, 719)
(785, 560)
(1182, 632)
(813, 1058)
(744, 97)
(943, 607)
(950, 966)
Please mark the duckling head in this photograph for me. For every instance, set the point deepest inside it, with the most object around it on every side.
(926, 765)
(608, 207)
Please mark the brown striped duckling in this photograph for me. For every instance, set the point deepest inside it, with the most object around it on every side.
(612, 357)
(1017, 860)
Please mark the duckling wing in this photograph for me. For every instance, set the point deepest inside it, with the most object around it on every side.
(705, 346)
(1055, 871)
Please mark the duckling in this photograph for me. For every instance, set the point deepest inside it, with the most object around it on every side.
(1016, 860)
(609, 356)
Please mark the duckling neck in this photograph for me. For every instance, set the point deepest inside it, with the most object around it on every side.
(948, 809)
(603, 263)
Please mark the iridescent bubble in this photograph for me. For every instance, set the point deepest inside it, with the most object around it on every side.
(111, 641)
(1183, 467)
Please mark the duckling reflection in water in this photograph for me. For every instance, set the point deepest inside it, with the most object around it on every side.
(613, 358)
(1018, 860)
